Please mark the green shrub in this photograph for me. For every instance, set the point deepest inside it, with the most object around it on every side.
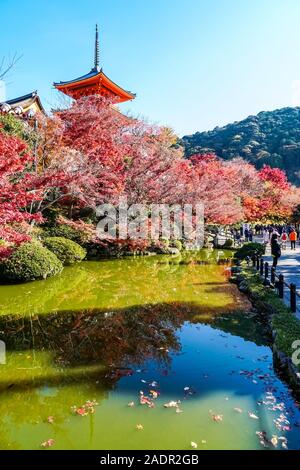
(287, 328)
(228, 243)
(177, 244)
(29, 262)
(165, 242)
(11, 125)
(67, 251)
(64, 231)
(250, 249)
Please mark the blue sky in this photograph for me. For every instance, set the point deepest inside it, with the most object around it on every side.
(194, 64)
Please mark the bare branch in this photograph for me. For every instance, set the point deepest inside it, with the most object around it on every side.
(6, 65)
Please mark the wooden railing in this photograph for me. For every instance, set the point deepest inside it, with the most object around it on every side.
(276, 280)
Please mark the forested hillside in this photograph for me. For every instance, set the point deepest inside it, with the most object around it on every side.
(271, 138)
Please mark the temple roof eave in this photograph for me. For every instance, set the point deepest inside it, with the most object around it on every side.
(94, 76)
(27, 100)
(93, 73)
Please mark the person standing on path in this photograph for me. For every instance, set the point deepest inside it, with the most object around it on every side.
(284, 239)
(266, 236)
(275, 249)
(293, 239)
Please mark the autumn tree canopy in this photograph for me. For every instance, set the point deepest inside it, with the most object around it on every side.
(91, 153)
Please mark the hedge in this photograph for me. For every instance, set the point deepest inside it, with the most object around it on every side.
(29, 262)
(67, 251)
(64, 231)
(250, 249)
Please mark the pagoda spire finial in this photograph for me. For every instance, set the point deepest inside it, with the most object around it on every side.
(97, 49)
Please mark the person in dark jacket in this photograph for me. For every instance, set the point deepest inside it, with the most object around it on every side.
(275, 249)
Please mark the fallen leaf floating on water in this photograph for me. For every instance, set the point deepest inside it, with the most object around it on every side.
(179, 410)
(216, 417)
(282, 423)
(130, 404)
(172, 404)
(48, 443)
(153, 384)
(81, 411)
(139, 427)
(263, 438)
(203, 441)
(274, 441)
(144, 400)
(284, 442)
(86, 409)
(189, 391)
(238, 410)
(194, 445)
(50, 419)
(252, 415)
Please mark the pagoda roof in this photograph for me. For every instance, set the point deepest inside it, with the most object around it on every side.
(94, 83)
(31, 100)
(97, 82)
(93, 73)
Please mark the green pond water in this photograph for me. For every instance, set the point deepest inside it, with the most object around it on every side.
(106, 331)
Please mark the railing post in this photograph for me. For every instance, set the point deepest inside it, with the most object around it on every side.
(293, 297)
(261, 267)
(254, 261)
(273, 275)
(266, 270)
(257, 262)
(280, 285)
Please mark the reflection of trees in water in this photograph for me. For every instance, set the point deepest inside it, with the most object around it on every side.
(86, 353)
(91, 350)
(110, 282)
(114, 339)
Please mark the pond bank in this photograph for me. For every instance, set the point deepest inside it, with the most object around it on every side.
(281, 323)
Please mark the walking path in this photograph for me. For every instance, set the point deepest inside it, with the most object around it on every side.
(289, 266)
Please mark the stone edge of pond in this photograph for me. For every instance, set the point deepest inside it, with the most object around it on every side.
(268, 307)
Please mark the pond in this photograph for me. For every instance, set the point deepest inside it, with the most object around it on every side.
(84, 350)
